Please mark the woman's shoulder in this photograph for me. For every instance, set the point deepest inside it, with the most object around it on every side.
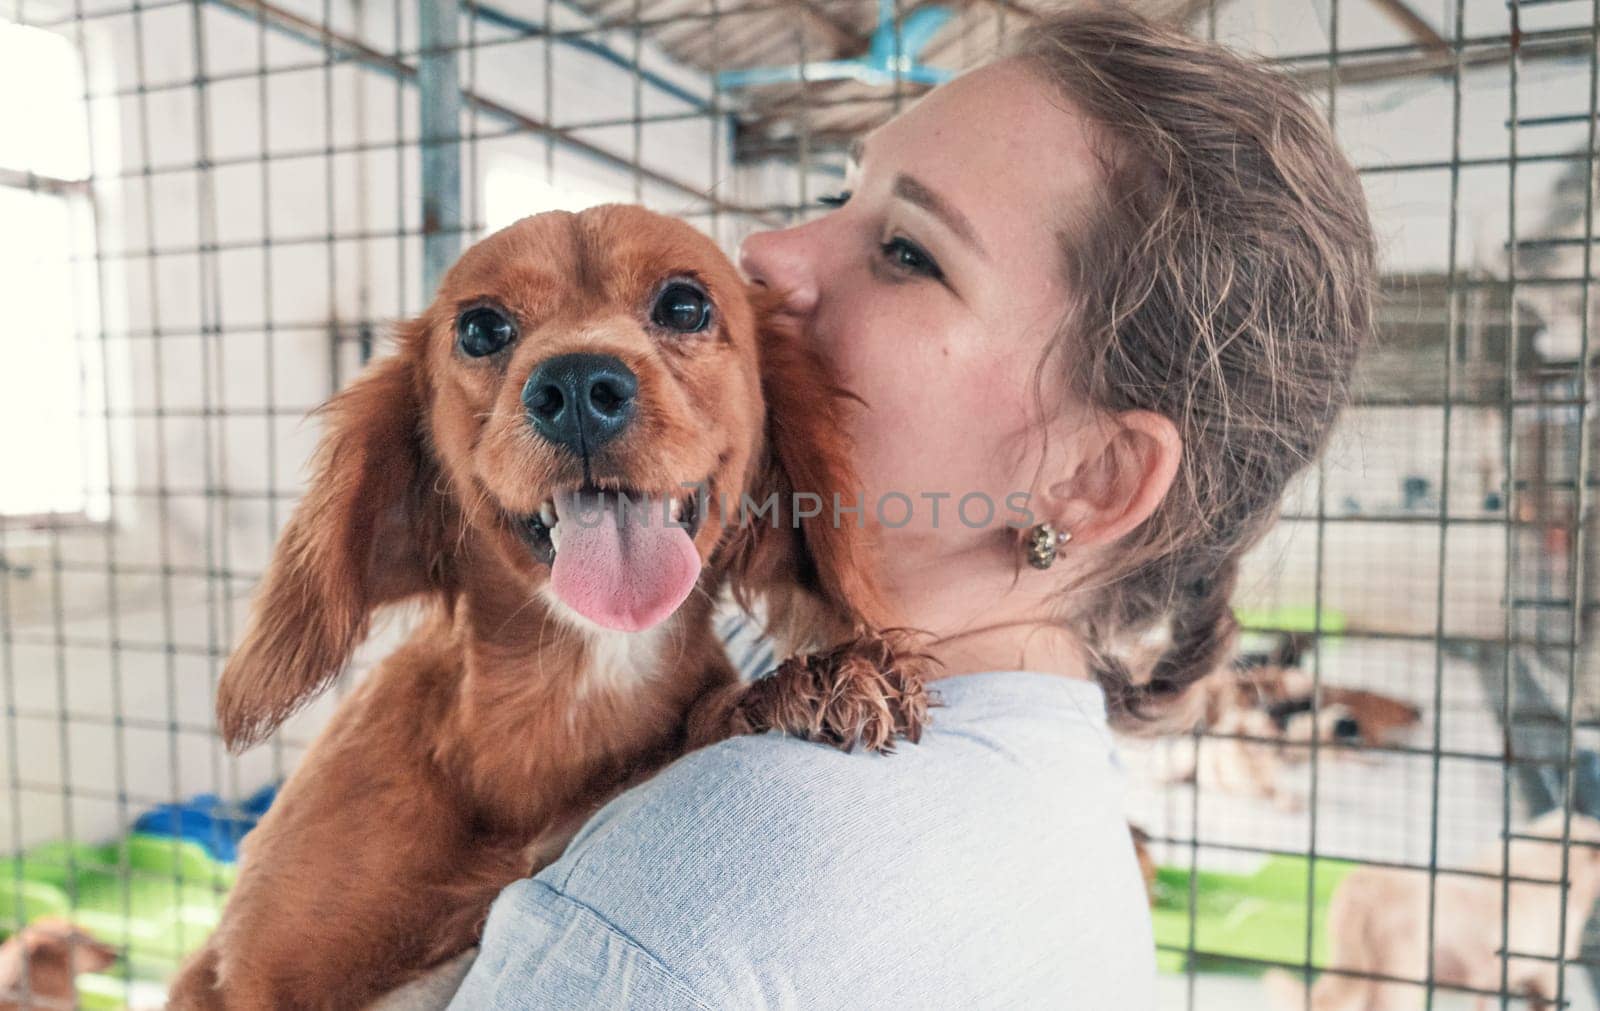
(993, 740)
(1010, 802)
(729, 804)
(763, 858)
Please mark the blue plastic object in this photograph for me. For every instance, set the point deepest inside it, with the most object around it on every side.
(206, 820)
(258, 802)
(891, 55)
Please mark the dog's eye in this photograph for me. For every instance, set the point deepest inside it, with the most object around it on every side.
(483, 331)
(681, 307)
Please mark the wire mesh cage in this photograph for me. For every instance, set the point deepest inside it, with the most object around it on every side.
(213, 210)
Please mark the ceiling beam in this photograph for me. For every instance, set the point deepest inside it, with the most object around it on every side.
(1187, 11)
(846, 41)
(1012, 7)
(755, 146)
(1555, 45)
(1181, 12)
(1414, 25)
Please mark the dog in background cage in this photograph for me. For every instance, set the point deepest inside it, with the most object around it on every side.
(1378, 925)
(572, 369)
(1260, 714)
(39, 962)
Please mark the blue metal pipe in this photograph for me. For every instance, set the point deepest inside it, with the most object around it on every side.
(892, 54)
(439, 89)
(831, 70)
(919, 28)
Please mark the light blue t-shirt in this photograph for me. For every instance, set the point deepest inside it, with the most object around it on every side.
(988, 866)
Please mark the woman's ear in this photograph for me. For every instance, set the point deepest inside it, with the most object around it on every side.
(365, 534)
(1124, 468)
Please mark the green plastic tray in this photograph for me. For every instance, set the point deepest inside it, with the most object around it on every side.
(1241, 918)
(156, 897)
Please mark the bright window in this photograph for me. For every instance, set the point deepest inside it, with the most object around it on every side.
(52, 452)
(515, 189)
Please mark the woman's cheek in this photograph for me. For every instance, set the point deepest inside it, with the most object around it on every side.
(931, 392)
(929, 432)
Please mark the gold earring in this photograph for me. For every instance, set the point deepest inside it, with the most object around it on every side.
(1044, 544)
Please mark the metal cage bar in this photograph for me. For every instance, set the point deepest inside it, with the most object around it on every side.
(243, 275)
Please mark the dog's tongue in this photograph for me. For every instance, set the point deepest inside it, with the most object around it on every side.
(626, 570)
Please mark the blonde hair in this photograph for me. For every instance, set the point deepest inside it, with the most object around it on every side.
(1226, 283)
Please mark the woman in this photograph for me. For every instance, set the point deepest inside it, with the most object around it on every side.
(1119, 271)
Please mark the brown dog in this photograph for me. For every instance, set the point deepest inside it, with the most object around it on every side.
(572, 369)
(1378, 925)
(1261, 719)
(38, 963)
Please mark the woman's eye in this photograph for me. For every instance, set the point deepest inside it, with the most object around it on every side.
(908, 257)
(681, 307)
(835, 200)
(483, 331)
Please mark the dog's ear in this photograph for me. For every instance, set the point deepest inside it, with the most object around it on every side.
(365, 534)
(812, 564)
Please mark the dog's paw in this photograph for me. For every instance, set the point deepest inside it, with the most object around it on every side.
(867, 692)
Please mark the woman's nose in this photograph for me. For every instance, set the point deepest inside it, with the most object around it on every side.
(782, 261)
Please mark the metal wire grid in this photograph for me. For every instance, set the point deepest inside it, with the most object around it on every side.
(1521, 746)
(432, 63)
(1518, 753)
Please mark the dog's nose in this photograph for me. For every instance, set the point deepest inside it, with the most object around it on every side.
(580, 401)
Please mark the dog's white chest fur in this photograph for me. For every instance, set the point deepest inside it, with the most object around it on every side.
(615, 661)
(620, 661)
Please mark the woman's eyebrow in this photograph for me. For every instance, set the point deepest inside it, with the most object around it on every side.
(918, 195)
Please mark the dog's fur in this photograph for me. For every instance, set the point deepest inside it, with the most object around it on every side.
(1147, 863)
(468, 757)
(38, 964)
(1378, 924)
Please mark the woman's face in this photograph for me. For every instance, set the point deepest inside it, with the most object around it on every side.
(935, 288)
